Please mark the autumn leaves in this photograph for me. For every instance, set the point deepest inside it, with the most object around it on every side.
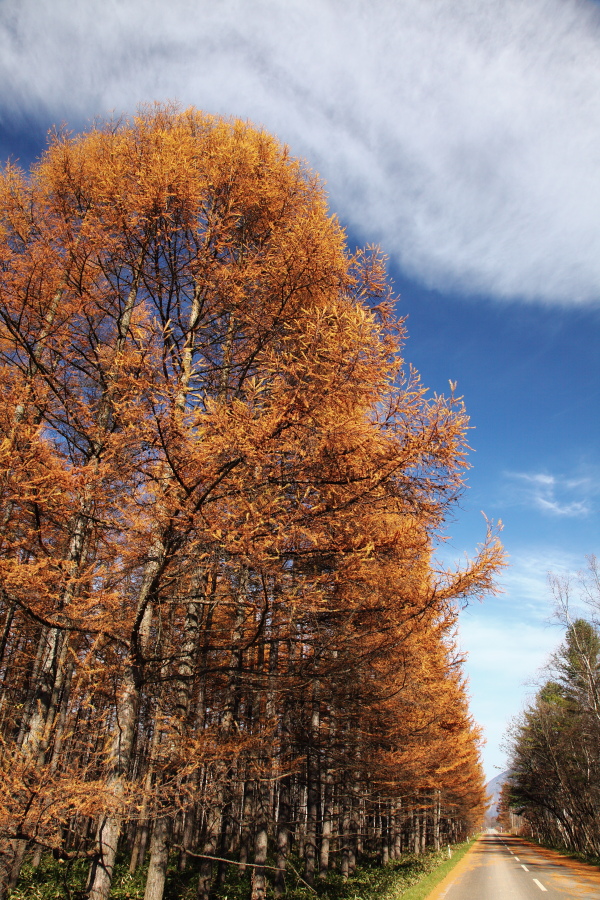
(222, 627)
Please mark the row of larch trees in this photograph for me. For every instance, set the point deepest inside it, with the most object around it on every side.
(223, 635)
(554, 782)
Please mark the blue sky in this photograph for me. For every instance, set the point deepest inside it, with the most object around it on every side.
(464, 139)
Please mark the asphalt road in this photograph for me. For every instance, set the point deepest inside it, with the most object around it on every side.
(501, 867)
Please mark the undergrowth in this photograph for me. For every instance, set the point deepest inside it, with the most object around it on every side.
(57, 880)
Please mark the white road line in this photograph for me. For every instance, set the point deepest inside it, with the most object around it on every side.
(517, 858)
(541, 886)
(524, 867)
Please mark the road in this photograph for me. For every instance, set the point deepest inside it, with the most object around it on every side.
(501, 867)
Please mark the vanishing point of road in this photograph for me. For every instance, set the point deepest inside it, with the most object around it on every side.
(502, 867)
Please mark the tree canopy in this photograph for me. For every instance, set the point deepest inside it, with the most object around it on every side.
(223, 626)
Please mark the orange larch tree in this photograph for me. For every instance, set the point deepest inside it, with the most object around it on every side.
(222, 627)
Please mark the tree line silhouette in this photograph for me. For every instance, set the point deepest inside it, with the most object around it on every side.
(555, 743)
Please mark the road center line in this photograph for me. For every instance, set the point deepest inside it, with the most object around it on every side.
(541, 886)
(524, 867)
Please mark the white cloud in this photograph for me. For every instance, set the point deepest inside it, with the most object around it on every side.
(463, 136)
(557, 496)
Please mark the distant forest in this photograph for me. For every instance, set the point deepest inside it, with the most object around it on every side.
(554, 783)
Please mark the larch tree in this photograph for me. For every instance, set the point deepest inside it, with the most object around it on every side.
(222, 626)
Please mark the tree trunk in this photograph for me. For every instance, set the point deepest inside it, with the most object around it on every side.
(259, 880)
(213, 828)
(246, 824)
(385, 833)
(327, 825)
(312, 792)
(121, 743)
(159, 858)
(283, 834)
(345, 838)
(436, 820)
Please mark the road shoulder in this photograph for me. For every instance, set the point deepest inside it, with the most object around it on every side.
(582, 869)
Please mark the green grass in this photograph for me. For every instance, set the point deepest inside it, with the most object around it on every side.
(372, 881)
(423, 888)
(409, 878)
(401, 878)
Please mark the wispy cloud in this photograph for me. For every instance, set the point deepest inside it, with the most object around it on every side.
(552, 494)
(463, 136)
(526, 592)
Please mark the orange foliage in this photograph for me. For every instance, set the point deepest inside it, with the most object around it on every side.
(220, 494)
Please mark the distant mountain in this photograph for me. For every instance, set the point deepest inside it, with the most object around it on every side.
(494, 789)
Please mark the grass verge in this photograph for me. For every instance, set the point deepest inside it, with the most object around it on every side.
(423, 888)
